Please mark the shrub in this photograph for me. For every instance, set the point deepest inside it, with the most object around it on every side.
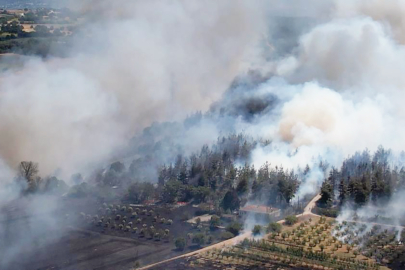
(234, 228)
(162, 220)
(180, 243)
(273, 227)
(134, 215)
(169, 222)
(138, 221)
(130, 209)
(199, 239)
(257, 229)
(291, 220)
(215, 221)
(227, 235)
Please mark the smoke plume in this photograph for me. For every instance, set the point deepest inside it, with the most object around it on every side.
(133, 63)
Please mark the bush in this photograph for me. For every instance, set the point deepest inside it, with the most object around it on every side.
(180, 243)
(227, 235)
(257, 229)
(326, 212)
(215, 221)
(234, 228)
(291, 220)
(199, 239)
(273, 227)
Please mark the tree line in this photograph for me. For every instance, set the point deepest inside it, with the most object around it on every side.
(364, 178)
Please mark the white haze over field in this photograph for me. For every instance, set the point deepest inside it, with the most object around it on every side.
(340, 89)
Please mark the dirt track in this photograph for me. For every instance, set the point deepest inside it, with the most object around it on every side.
(235, 240)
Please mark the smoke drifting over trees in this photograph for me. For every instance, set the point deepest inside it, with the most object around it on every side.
(149, 81)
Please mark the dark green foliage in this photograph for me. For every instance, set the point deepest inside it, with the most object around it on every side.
(257, 229)
(200, 193)
(180, 243)
(171, 191)
(362, 178)
(199, 239)
(212, 175)
(326, 212)
(327, 194)
(291, 220)
(215, 221)
(140, 192)
(274, 227)
(231, 201)
(234, 228)
(227, 235)
(242, 187)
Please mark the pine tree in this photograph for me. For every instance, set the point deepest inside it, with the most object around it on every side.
(342, 192)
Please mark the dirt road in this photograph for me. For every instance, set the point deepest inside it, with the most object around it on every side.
(223, 244)
(235, 240)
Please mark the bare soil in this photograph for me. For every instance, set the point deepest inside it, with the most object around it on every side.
(58, 238)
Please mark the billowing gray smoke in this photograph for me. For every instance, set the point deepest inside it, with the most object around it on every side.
(137, 62)
(325, 83)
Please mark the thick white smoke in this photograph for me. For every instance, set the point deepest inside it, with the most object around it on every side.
(135, 63)
(341, 90)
